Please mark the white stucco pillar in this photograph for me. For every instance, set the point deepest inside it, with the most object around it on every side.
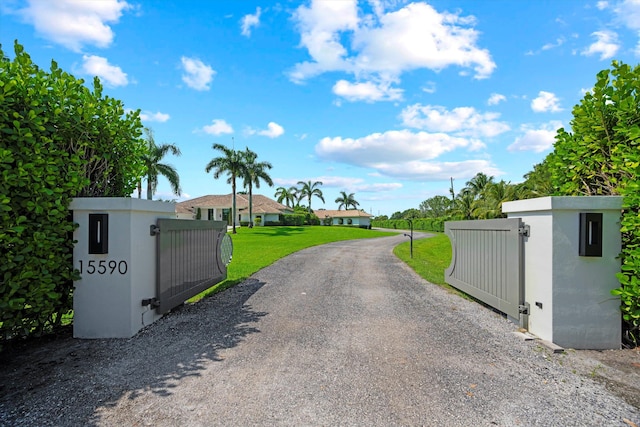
(569, 293)
(116, 257)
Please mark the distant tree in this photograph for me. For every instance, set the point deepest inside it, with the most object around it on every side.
(463, 206)
(396, 215)
(538, 182)
(478, 183)
(436, 207)
(287, 195)
(254, 172)
(309, 190)
(153, 167)
(231, 163)
(411, 213)
(347, 200)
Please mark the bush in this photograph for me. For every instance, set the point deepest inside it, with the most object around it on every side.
(293, 219)
(59, 140)
(257, 221)
(602, 157)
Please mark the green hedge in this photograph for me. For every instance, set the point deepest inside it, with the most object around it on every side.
(422, 224)
(58, 140)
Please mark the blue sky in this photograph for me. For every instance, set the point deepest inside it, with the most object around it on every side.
(384, 99)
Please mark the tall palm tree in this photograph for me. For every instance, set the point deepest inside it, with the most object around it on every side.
(288, 195)
(253, 173)
(153, 167)
(309, 190)
(478, 183)
(347, 200)
(232, 163)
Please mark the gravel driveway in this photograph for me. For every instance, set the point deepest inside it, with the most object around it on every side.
(337, 335)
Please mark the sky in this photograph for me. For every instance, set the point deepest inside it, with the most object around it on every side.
(386, 99)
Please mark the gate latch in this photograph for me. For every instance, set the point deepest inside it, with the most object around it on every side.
(154, 230)
(523, 309)
(153, 302)
(524, 230)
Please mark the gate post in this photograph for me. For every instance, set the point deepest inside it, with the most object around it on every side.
(116, 257)
(567, 285)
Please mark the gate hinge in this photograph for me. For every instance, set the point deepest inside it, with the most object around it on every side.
(523, 309)
(153, 302)
(524, 230)
(154, 230)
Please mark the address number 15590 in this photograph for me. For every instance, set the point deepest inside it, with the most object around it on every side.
(103, 267)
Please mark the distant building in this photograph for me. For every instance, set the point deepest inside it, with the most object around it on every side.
(218, 208)
(347, 217)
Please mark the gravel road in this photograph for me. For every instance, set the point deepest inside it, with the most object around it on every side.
(337, 335)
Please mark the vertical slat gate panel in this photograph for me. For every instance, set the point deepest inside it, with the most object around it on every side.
(486, 263)
(187, 257)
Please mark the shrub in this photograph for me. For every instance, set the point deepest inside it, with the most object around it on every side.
(59, 140)
(293, 219)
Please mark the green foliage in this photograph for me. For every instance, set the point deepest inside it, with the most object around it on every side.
(293, 219)
(423, 224)
(602, 157)
(198, 213)
(431, 257)
(58, 140)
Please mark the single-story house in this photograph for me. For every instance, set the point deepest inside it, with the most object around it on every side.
(347, 217)
(218, 208)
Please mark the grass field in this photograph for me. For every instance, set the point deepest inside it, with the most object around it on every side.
(256, 248)
(430, 257)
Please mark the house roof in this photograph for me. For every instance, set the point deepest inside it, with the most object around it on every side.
(349, 213)
(261, 204)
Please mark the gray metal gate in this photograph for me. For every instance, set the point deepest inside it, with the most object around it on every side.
(486, 261)
(189, 259)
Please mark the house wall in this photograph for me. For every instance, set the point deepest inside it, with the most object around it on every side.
(365, 221)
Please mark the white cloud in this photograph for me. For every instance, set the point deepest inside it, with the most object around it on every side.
(388, 147)
(350, 184)
(606, 45)
(536, 140)
(546, 102)
(559, 42)
(602, 5)
(98, 66)
(273, 130)
(438, 171)
(218, 127)
(429, 87)
(495, 99)
(249, 21)
(387, 45)
(367, 91)
(462, 121)
(628, 11)
(197, 75)
(74, 23)
(148, 116)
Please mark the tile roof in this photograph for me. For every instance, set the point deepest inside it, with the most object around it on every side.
(261, 204)
(350, 213)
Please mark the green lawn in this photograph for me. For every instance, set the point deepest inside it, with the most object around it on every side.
(430, 257)
(256, 248)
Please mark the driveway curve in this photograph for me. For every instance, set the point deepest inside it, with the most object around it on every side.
(342, 334)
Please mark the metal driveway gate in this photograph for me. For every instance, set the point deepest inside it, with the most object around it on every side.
(191, 256)
(487, 262)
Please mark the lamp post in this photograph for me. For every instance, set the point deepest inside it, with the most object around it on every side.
(410, 236)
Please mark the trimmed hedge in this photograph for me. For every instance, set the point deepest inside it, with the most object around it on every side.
(421, 224)
(58, 140)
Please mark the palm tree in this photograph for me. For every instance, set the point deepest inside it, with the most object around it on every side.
(309, 190)
(231, 163)
(153, 167)
(347, 200)
(289, 196)
(478, 183)
(253, 173)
